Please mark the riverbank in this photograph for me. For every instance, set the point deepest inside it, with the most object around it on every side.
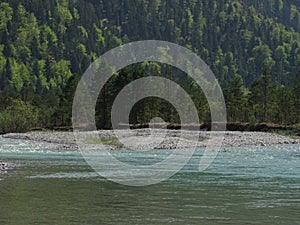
(161, 139)
(230, 126)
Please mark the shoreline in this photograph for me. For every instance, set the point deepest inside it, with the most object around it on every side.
(161, 139)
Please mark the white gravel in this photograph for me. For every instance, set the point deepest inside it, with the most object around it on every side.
(159, 139)
(4, 166)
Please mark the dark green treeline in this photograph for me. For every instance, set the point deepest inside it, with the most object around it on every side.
(252, 46)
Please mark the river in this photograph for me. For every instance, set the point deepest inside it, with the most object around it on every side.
(245, 185)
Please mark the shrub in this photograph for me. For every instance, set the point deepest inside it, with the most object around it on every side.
(18, 117)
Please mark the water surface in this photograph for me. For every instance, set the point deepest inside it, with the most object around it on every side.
(249, 185)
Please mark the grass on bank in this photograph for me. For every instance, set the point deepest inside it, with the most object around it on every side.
(113, 141)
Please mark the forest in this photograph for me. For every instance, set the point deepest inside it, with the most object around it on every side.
(252, 46)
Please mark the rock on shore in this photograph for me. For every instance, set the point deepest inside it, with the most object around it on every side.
(3, 167)
(160, 139)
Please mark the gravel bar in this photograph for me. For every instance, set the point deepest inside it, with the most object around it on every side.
(160, 139)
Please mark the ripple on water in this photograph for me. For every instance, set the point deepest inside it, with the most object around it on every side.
(259, 185)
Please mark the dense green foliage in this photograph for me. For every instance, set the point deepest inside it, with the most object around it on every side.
(18, 117)
(252, 46)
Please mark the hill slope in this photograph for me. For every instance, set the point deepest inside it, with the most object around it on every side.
(45, 45)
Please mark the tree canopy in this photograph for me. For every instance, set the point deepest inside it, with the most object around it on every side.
(46, 45)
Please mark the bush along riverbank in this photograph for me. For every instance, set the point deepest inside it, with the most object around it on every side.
(257, 127)
(288, 130)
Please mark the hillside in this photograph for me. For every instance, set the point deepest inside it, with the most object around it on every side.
(252, 46)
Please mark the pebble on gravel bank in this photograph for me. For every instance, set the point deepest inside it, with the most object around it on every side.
(3, 167)
(67, 141)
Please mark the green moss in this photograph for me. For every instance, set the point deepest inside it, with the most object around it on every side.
(105, 141)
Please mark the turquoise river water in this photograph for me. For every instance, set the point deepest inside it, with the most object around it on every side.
(246, 185)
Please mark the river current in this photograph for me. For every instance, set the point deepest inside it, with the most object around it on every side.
(244, 185)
